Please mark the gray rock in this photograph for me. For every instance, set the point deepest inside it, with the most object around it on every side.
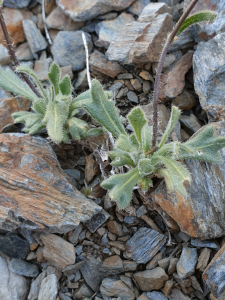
(209, 71)
(73, 268)
(187, 262)
(190, 123)
(205, 244)
(144, 245)
(79, 249)
(35, 286)
(151, 279)
(16, 3)
(13, 286)
(73, 173)
(84, 10)
(14, 246)
(132, 97)
(83, 292)
(138, 6)
(97, 221)
(49, 288)
(21, 267)
(152, 10)
(41, 68)
(177, 295)
(34, 37)
(185, 237)
(109, 30)
(184, 41)
(156, 296)
(68, 49)
(74, 235)
(5, 58)
(116, 288)
(81, 82)
(64, 297)
(23, 52)
(141, 211)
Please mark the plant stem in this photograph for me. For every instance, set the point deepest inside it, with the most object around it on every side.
(160, 66)
(12, 53)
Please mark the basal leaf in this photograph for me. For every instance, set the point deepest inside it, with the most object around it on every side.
(134, 141)
(137, 120)
(94, 132)
(120, 158)
(54, 77)
(146, 137)
(124, 143)
(36, 127)
(65, 86)
(165, 174)
(39, 106)
(121, 187)
(103, 110)
(145, 167)
(145, 183)
(77, 128)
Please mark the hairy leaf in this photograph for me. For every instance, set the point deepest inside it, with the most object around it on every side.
(54, 76)
(77, 128)
(120, 158)
(145, 183)
(93, 132)
(145, 167)
(65, 86)
(36, 127)
(121, 187)
(124, 143)
(103, 110)
(146, 137)
(134, 141)
(27, 117)
(137, 120)
(12, 83)
(165, 174)
(39, 106)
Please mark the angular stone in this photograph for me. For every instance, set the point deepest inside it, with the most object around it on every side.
(41, 68)
(132, 97)
(5, 58)
(74, 235)
(202, 5)
(23, 52)
(91, 168)
(49, 288)
(13, 19)
(209, 72)
(202, 244)
(203, 259)
(21, 267)
(14, 246)
(187, 262)
(190, 122)
(16, 3)
(57, 251)
(109, 30)
(140, 42)
(100, 63)
(144, 244)
(116, 288)
(141, 211)
(168, 287)
(138, 6)
(112, 265)
(13, 286)
(184, 101)
(81, 82)
(84, 10)
(34, 37)
(169, 60)
(43, 197)
(154, 261)
(156, 296)
(83, 292)
(214, 274)
(152, 10)
(177, 295)
(173, 80)
(66, 71)
(60, 21)
(97, 221)
(151, 279)
(9, 106)
(68, 49)
(35, 286)
(73, 268)
(115, 228)
(173, 265)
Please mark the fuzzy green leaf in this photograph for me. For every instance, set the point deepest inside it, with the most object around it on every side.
(93, 132)
(165, 174)
(201, 16)
(12, 83)
(174, 117)
(121, 187)
(134, 141)
(146, 137)
(145, 183)
(20, 114)
(137, 120)
(65, 86)
(136, 156)
(103, 110)
(77, 128)
(124, 143)
(145, 167)
(120, 158)
(36, 127)
(28, 118)
(54, 76)
(39, 106)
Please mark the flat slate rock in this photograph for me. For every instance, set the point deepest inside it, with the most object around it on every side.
(24, 268)
(206, 189)
(116, 288)
(16, 3)
(49, 288)
(144, 245)
(156, 296)
(41, 197)
(204, 244)
(13, 246)
(187, 262)
(177, 295)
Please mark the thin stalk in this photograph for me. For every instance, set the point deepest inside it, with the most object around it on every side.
(12, 53)
(160, 66)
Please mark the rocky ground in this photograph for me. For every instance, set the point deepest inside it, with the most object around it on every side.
(61, 236)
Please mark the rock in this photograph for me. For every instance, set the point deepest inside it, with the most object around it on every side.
(202, 244)
(60, 21)
(156, 296)
(112, 265)
(16, 3)
(57, 251)
(173, 265)
(81, 82)
(13, 20)
(151, 279)
(91, 169)
(130, 47)
(190, 122)
(177, 295)
(115, 228)
(83, 292)
(136, 85)
(52, 270)
(141, 211)
(152, 10)
(154, 261)
(68, 49)
(143, 297)
(187, 262)
(73, 268)
(59, 207)
(184, 237)
(49, 288)
(41, 68)
(209, 72)
(184, 101)
(100, 63)
(214, 274)
(5, 58)
(66, 71)
(169, 60)
(108, 16)
(109, 30)
(64, 297)
(195, 284)
(9, 106)
(35, 286)
(164, 263)
(86, 10)
(137, 6)
(132, 97)
(144, 244)
(74, 235)
(5, 94)
(118, 245)
(173, 80)
(13, 286)
(21, 267)
(146, 75)
(34, 37)
(12, 245)
(202, 5)
(97, 221)
(203, 259)
(168, 287)
(23, 52)
(116, 288)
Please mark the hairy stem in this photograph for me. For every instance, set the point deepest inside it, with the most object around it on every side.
(12, 53)
(160, 65)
